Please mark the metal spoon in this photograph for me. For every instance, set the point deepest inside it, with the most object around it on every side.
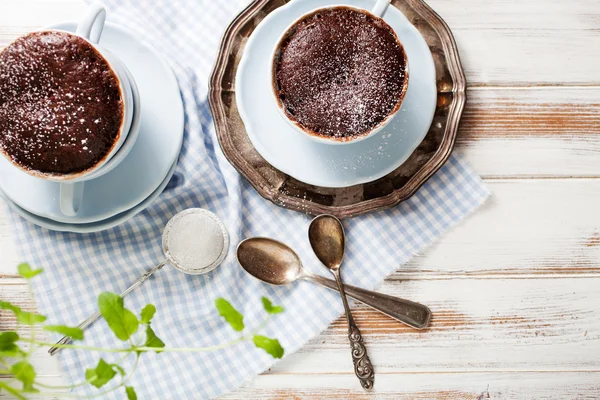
(275, 263)
(327, 238)
(184, 246)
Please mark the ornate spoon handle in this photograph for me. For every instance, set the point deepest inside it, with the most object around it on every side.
(362, 365)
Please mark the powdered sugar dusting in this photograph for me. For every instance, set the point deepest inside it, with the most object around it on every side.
(54, 86)
(340, 72)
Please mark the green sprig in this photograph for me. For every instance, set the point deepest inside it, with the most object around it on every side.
(16, 351)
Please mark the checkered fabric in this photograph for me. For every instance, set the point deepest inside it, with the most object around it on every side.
(79, 267)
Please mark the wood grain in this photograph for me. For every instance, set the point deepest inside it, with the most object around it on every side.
(8, 254)
(501, 42)
(537, 112)
(514, 288)
(534, 132)
(527, 228)
(427, 386)
(477, 328)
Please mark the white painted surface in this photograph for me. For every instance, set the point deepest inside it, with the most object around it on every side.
(515, 288)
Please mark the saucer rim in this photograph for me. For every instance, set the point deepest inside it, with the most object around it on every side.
(127, 146)
(317, 180)
(121, 207)
(92, 227)
(347, 202)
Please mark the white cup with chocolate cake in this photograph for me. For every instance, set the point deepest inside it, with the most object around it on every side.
(339, 73)
(66, 106)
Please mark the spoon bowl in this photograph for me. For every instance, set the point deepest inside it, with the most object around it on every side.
(269, 260)
(328, 240)
(273, 262)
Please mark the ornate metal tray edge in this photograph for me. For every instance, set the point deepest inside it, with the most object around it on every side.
(453, 93)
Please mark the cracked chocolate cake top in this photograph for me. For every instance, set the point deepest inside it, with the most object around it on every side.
(61, 108)
(340, 72)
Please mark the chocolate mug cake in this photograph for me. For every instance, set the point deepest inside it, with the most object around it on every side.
(339, 73)
(61, 106)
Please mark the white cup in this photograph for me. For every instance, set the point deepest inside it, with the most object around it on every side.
(378, 12)
(72, 185)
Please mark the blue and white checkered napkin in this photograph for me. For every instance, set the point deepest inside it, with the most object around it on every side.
(79, 267)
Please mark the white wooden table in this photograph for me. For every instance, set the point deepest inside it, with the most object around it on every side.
(515, 289)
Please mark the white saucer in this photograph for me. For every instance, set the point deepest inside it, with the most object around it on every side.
(150, 160)
(322, 164)
(94, 226)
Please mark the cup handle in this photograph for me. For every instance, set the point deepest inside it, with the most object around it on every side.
(380, 8)
(90, 28)
(71, 196)
(92, 24)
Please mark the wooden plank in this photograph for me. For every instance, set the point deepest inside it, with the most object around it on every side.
(478, 325)
(428, 386)
(8, 253)
(509, 57)
(536, 132)
(523, 255)
(535, 42)
(526, 228)
(501, 42)
(542, 112)
(519, 15)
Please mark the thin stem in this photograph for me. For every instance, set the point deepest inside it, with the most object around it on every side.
(241, 339)
(3, 362)
(82, 347)
(261, 326)
(75, 385)
(135, 364)
(32, 333)
(191, 349)
(120, 385)
(124, 357)
(31, 330)
(165, 349)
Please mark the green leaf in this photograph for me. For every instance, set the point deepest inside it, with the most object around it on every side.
(100, 375)
(29, 318)
(123, 322)
(130, 393)
(12, 390)
(231, 315)
(8, 342)
(147, 314)
(270, 308)
(73, 333)
(23, 317)
(152, 340)
(5, 305)
(269, 345)
(118, 368)
(26, 272)
(24, 372)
